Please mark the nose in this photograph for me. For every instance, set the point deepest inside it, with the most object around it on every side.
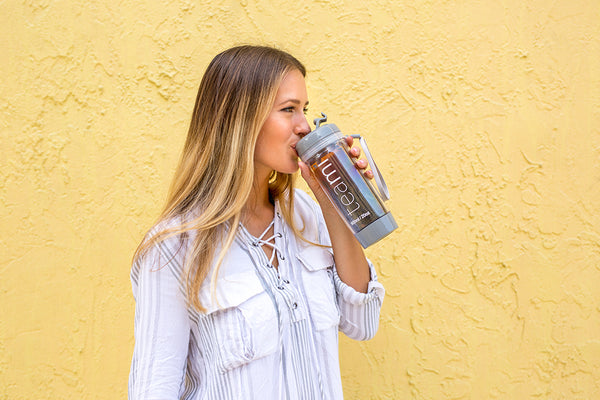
(301, 127)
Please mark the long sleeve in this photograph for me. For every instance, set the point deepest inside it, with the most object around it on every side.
(359, 311)
(162, 326)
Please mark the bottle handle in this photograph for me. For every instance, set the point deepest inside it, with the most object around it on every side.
(383, 189)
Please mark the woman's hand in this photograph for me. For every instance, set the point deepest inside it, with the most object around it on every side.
(361, 164)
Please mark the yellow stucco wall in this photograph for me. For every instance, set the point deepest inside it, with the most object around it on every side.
(485, 119)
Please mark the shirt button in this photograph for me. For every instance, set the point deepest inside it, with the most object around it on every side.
(295, 305)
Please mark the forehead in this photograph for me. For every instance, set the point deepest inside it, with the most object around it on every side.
(292, 87)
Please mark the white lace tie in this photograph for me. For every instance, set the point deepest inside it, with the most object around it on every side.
(261, 241)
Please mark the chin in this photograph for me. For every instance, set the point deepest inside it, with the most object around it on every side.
(289, 170)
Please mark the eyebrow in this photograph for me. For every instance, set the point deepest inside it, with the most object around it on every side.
(295, 101)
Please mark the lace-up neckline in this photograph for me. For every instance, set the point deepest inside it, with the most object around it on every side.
(270, 241)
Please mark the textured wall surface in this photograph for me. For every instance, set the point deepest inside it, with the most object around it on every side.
(485, 119)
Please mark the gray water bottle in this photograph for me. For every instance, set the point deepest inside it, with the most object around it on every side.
(361, 206)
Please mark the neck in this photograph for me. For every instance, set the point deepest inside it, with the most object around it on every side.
(258, 202)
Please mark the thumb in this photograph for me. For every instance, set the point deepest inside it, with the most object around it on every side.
(310, 179)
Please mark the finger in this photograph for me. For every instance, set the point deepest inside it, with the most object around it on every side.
(368, 174)
(308, 176)
(312, 183)
(361, 164)
(355, 152)
(304, 171)
(349, 140)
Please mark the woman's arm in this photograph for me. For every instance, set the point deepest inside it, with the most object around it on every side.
(350, 261)
(359, 310)
(161, 327)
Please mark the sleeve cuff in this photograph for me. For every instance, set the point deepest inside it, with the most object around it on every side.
(375, 289)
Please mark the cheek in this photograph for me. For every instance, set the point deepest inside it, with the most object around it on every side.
(273, 134)
(266, 149)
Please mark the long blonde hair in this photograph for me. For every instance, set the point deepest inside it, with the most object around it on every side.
(215, 174)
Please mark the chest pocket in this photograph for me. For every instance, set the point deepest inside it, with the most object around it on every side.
(317, 276)
(240, 325)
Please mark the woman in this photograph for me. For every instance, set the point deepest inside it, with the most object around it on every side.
(243, 284)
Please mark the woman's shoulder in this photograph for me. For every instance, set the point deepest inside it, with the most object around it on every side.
(171, 229)
(305, 208)
(167, 239)
(308, 217)
(303, 202)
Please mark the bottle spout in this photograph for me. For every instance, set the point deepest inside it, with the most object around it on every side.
(318, 121)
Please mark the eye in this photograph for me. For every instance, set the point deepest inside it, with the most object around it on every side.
(288, 109)
(305, 110)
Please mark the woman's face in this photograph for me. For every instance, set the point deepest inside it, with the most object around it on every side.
(285, 125)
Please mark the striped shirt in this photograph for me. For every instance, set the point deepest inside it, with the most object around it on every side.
(267, 333)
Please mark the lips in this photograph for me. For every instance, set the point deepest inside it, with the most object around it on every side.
(293, 146)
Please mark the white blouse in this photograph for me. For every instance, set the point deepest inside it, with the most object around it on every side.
(268, 333)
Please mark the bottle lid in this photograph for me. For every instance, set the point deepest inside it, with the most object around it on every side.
(321, 137)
